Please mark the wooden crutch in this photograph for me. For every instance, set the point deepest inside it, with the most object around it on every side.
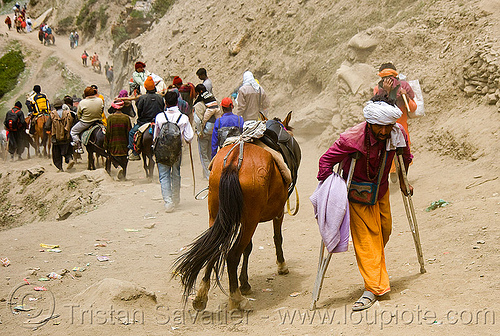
(410, 210)
(324, 261)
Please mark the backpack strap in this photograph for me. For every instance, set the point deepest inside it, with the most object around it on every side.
(180, 116)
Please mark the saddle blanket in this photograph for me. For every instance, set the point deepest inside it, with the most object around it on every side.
(86, 134)
(144, 127)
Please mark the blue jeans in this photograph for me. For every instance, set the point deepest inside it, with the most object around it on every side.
(131, 136)
(170, 181)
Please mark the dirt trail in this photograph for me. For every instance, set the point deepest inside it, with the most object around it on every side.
(62, 50)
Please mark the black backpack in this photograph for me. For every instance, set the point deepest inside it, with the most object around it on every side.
(12, 121)
(226, 132)
(168, 145)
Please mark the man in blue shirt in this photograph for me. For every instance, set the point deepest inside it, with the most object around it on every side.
(228, 125)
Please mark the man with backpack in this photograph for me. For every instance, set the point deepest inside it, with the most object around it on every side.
(85, 55)
(39, 106)
(60, 122)
(226, 126)
(148, 106)
(391, 86)
(14, 123)
(170, 127)
(206, 111)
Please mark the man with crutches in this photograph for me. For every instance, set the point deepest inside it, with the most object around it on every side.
(376, 140)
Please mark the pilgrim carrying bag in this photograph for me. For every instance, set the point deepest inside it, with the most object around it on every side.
(168, 145)
(366, 192)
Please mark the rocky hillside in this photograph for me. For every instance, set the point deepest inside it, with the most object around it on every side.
(320, 58)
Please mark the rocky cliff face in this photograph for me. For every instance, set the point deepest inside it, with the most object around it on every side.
(318, 58)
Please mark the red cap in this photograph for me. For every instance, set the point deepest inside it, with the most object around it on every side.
(177, 80)
(226, 102)
(139, 65)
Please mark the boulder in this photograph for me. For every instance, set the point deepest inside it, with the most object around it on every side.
(358, 76)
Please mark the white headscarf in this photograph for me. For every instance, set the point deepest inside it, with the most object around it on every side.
(248, 79)
(381, 113)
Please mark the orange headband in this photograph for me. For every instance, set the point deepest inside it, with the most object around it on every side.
(388, 72)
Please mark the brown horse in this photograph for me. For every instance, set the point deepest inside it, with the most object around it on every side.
(41, 137)
(239, 198)
(146, 151)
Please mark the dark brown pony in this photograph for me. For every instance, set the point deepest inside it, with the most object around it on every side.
(147, 153)
(41, 137)
(48, 39)
(96, 145)
(238, 200)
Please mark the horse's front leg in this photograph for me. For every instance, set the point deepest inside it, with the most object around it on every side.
(145, 164)
(90, 159)
(278, 243)
(37, 145)
(151, 165)
(108, 165)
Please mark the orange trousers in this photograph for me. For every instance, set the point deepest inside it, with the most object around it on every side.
(371, 227)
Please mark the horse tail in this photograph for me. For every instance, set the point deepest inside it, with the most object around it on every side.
(212, 246)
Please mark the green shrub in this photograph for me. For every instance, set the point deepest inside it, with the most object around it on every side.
(137, 14)
(65, 24)
(84, 12)
(160, 7)
(119, 34)
(11, 66)
(103, 17)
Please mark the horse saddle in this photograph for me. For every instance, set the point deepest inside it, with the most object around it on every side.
(144, 127)
(138, 136)
(277, 138)
(88, 132)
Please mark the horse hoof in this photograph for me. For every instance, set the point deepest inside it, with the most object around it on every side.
(121, 175)
(199, 303)
(243, 304)
(246, 290)
(282, 268)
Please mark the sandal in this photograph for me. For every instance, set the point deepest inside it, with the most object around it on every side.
(364, 302)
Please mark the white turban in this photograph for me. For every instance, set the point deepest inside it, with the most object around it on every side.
(381, 113)
(248, 79)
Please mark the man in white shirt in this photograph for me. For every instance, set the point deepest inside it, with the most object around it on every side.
(170, 176)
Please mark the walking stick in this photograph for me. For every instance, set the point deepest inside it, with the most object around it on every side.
(323, 262)
(410, 210)
(406, 103)
(192, 168)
